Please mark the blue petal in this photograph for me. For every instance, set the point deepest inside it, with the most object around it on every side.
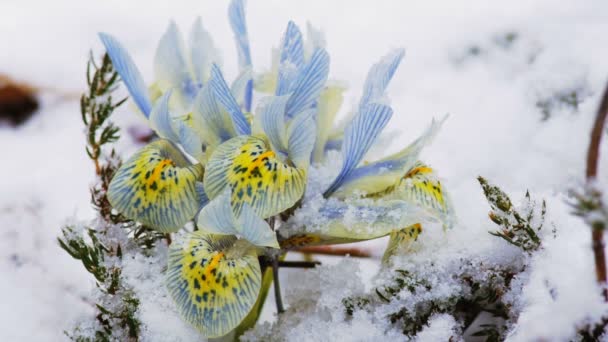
(128, 72)
(236, 13)
(254, 229)
(190, 141)
(271, 119)
(301, 133)
(309, 83)
(217, 216)
(379, 76)
(170, 63)
(240, 86)
(215, 124)
(224, 96)
(333, 144)
(292, 58)
(202, 52)
(359, 136)
(202, 195)
(160, 118)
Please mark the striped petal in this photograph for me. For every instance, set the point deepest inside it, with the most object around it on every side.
(160, 119)
(255, 176)
(224, 96)
(315, 39)
(218, 218)
(309, 83)
(292, 58)
(236, 14)
(128, 72)
(270, 119)
(215, 124)
(240, 88)
(214, 280)
(359, 136)
(301, 133)
(379, 77)
(330, 101)
(203, 52)
(400, 241)
(156, 187)
(191, 141)
(380, 175)
(170, 65)
(337, 222)
(420, 186)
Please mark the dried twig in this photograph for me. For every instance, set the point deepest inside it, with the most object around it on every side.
(339, 251)
(591, 173)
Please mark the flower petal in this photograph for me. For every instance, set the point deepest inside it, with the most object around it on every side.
(203, 52)
(384, 173)
(160, 119)
(128, 72)
(379, 76)
(292, 58)
(315, 39)
(255, 176)
(401, 240)
(337, 222)
(236, 14)
(270, 119)
(218, 218)
(170, 65)
(214, 123)
(255, 230)
(156, 187)
(225, 97)
(309, 82)
(328, 105)
(420, 186)
(240, 88)
(214, 282)
(359, 136)
(301, 133)
(191, 141)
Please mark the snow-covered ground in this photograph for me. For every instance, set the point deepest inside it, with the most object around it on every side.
(488, 64)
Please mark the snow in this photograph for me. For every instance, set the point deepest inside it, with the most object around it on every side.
(495, 130)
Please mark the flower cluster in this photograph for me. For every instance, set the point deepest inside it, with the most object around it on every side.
(242, 174)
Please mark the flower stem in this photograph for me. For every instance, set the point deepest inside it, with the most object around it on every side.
(299, 264)
(277, 286)
(591, 173)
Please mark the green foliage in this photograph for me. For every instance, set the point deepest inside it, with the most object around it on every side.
(481, 287)
(99, 253)
(97, 105)
(568, 98)
(588, 204)
(519, 227)
(476, 296)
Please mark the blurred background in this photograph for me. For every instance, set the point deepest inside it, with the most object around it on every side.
(520, 79)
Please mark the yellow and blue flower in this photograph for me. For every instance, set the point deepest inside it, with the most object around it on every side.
(232, 171)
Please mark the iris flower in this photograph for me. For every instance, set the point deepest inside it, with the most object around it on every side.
(234, 172)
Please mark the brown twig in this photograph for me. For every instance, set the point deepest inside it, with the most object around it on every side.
(591, 173)
(340, 251)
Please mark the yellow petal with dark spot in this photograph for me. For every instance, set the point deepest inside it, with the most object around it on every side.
(421, 186)
(214, 280)
(255, 175)
(156, 187)
(401, 241)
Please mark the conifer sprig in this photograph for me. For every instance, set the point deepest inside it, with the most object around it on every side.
(519, 227)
